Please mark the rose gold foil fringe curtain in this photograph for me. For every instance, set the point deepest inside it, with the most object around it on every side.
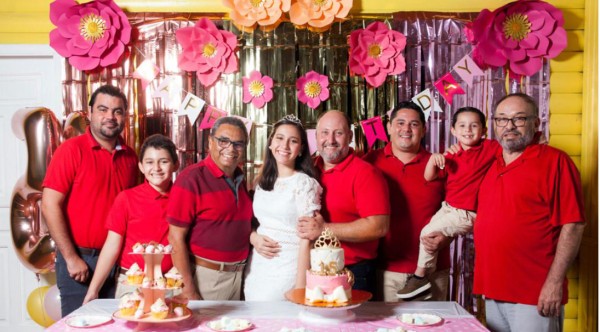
(435, 43)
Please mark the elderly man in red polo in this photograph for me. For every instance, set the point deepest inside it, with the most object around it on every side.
(210, 215)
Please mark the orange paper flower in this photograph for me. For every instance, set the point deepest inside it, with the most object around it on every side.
(249, 13)
(319, 13)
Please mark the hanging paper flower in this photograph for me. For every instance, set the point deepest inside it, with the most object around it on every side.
(313, 88)
(376, 52)
(207, 50)
(319, 13)
(90, 35)
(248, 13)
(519, 34)
(257, 89)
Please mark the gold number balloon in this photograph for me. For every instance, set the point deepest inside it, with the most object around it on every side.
(42, 134)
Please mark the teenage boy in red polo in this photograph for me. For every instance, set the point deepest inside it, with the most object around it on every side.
(210, 216)
(529, 224)
(414, 201)
(355, 201)
(85, 175)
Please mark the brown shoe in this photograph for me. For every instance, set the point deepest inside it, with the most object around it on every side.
(414, 287)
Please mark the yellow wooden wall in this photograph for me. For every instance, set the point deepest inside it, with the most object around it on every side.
(573, 100)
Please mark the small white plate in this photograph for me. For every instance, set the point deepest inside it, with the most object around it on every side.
(419, 320)
(87, 320)
(235, 324)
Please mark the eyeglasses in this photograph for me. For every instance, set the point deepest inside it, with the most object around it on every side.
(517, 121)
(224, 143)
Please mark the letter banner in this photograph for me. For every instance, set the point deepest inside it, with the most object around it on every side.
(466, 68)
(163, 91)
(311, 134)
(191, 106)
(146, 72)
(210, 116)
(448, 87)
(427, 103)
(373, 129)
(247, 122)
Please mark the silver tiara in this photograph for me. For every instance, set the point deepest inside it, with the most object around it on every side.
(292, 118)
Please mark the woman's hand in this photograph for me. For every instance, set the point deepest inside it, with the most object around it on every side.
(264, 245)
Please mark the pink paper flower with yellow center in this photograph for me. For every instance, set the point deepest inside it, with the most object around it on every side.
(207, 51)
(258, 89)
(91, 35)
(312, 89)
(376, 52)
(319, 14)
(249, 13)
(519, 34)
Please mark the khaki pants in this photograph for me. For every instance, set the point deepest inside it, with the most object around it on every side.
(449, 221)
(389, 283)
(218, 285)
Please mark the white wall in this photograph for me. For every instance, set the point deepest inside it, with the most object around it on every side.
(30, 76)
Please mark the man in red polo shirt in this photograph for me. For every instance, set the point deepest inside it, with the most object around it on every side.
(84, 176)
(529, 224)
(413, 201)
(210, 216)
(355, 199)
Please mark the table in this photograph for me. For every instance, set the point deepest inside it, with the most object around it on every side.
(273, 316)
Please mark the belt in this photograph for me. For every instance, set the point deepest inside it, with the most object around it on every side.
(88, 251)
(226, 267)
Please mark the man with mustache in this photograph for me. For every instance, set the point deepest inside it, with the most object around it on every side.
(84, 176)
(355, 200)
(529, 224)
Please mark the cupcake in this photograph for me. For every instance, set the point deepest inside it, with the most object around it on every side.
(159, 249)
(138, 248)
(159, 309)
(127, 306)
(136, 295)
(150, 249)
(160, 283)
(146, 282)
(168, 249)
(174, 278)
(135, 275)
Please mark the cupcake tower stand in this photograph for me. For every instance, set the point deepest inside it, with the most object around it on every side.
(152, 271)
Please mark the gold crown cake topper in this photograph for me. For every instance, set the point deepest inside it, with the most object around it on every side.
(327, 240)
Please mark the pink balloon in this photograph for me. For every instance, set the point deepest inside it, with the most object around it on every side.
(52, 303)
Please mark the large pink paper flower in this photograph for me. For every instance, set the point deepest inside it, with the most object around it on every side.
(519, 34)
(249, 13)
(90, 35)
(376, 52)
(319, 13)
(257, 89)
(313, 88)
(207, 50)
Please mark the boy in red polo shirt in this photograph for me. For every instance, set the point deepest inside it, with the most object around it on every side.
(464, 171)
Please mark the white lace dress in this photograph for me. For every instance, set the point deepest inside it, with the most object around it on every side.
(277, 212)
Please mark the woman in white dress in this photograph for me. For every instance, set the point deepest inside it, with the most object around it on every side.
(286, 189)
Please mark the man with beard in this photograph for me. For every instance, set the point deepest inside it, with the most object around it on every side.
(355, 200)
(413, 202)
(84, 176)
(529, 224)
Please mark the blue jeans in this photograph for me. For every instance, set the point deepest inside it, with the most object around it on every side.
(72, 292)
(364, 275)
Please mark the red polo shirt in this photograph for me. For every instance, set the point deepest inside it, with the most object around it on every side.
(522, 207)
(464, 172)
(90, 177)
(139, 214)
(353, 189)
(414, 201)
(220, 225)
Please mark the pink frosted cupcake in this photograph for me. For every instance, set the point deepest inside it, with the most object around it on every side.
(135, 275)
(174, 278)
(159, 309)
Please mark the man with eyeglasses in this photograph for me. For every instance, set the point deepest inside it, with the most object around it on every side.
(529, 224)
(210, 215)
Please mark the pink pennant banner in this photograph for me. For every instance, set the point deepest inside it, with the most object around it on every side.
(146, 72)
(311, 134)
(247, 122)
(448, 87)
(466, 68)
(210, 116)
(373, 129)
